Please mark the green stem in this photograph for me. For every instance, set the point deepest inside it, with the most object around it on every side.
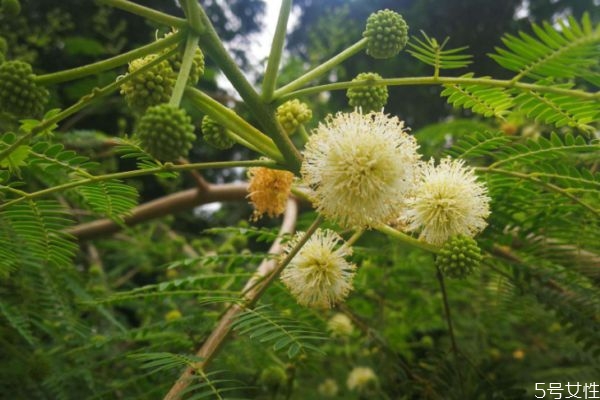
(266, 117)
(83, 102)
(303, 133)
(229, 119)
(429, 80)
(191, 45)
(146, 12)
(403, 237)
(268, 86)
(354, 237)
(321, 69)
(110, 63)
(167, 167)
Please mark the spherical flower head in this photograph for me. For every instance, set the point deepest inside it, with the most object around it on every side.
(328, 388)
(20, 95)
(11, 8)
(215, 134)
(173, 315)
(340, 325)
(448, 201)
(197, 70)
(268, 191)
(319, 275)
(293, 113)
(273, 377)
(359, 167)
(151, 87)
(361, 379)
(368, 98)
(166, 132)
(459, 257)
(386, 33)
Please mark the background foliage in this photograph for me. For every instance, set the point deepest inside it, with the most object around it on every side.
(119, 316)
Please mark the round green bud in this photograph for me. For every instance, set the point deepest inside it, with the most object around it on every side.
(386, 33)
(197, 70)
(215, 134)
(151, 87)
(11, 8)
(293, 113)
(20, 95)
(459, 257)
(273, 377)
(3, 45)
(369, 98)
(166, 132)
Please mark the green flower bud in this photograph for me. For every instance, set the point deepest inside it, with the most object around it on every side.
(197, 70)
(387, 34)
(11, 8)
(369, 98)
(273, 377)
(20, 95)
(215, 134)
(459, 257)
(166, 132)
(151, 87)
(293, 113)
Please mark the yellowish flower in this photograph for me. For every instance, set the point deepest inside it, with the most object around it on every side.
(447, 202)
(340, 325)
(268, 191)
(319, 276)
(359, 168)
(361, 378)
(328, 388)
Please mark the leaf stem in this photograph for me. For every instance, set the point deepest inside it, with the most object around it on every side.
(109, 63)
(268, 86)
(229, 119)
(403, 237)
(429, 80)
(215, 49)
(320, 70)
(191, 45)
(167, 167)
(146, 12)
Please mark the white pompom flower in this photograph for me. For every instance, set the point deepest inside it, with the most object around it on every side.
(361, 378)
(448, 201)
(319, 275)
(359, 168)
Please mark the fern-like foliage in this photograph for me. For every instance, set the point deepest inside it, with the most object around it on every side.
(53, 158)
(482, 99)
(571, 52)
(432, 53)
(158, 362)
(129, 148)
(111, 198)
(266, 325)
(32, 232)
(558, 109)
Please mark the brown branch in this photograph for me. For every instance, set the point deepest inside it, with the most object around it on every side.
(252, 291)
(183, 200)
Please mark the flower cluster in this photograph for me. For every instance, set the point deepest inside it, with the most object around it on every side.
(319, 275)
(268, 191)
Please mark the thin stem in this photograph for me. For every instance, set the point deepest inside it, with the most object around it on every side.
(109, 63)
(215, 49)
(83, 102)
(355, 237)
(146, 12)
(549, 186)
(455, 350)
(429, 80)
(321, 69)
(403, 237)
(193, 16)
(141, 172)
(191, 45)
(229, 119)
(303, 133)
(270, 78)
